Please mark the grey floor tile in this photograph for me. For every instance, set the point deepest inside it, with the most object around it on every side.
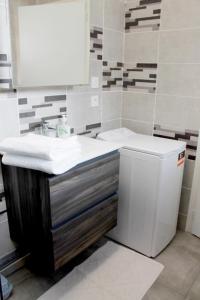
(181, 269)
(160, 292)
(20, 276)
(182, 263)
(179, 280)
(29, 286)
(194, 293)
(189, 242)
(31, 289)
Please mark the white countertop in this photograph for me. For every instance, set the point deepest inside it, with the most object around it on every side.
(93, 148)
(89, 149)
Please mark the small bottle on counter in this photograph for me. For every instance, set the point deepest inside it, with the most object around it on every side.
(45, 128)
(63, 130)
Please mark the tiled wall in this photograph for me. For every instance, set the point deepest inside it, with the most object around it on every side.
(36, 105)
(5, 60)
(144, 69)
(40, 105)
(166, 102)
(107, 34)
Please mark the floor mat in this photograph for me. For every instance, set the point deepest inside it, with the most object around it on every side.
(112, 273)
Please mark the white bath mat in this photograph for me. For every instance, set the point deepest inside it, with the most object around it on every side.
(112, 273)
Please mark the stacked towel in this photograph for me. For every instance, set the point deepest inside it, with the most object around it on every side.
(50, 155)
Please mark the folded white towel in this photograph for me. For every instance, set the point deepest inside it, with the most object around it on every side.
(55, 167)
(42, 147)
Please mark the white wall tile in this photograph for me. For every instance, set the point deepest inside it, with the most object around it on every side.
(4, 72)
(180, 46)
(182, 219)
(137, 106)
(95, 71)
(185, 200)
(179, 112)
(138, 127)
(188, 173)
(96, 12)
(110, 125)
(114, 14)
(111, 105)
(141, 47)
(4, 33)
(180, 14)
(113, 46)
(80, 111)
(9, 118)
(41, 92)
(179, 79)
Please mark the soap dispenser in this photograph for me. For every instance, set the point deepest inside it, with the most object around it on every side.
(63, 130)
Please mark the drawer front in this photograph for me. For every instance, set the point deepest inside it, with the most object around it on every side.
(82, 188)
(81, 232)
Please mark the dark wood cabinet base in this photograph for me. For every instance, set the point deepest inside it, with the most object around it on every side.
(57, 217)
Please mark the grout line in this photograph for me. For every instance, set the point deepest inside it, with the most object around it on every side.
(94, 91)
(110, 120)
(178, 96)
(164, 63)
(164, 30)
(101, 108)
(123, 58)
(178, 63)
(121, 107)
(157, 73)
(186, 188)
(166, 95)
(106, 28)
(112, 61)
(139, 121)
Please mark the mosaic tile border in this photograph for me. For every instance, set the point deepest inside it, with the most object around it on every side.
(5, 74)
(141, 77)
(6, 84)
(96, 43)
(32, 112)
(146, 14)
(90, 130)
(112, 75)
(188, 136)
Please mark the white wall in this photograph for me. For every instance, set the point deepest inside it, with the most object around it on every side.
(165, 98)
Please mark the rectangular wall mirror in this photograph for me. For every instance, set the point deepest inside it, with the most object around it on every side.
(50, 42)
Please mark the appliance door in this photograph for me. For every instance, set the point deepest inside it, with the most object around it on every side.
(139, 179)
(171, 176)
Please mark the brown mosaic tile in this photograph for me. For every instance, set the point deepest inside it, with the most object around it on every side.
(141, 77)
(96, 43)
(112, 75)
(185, 136)
(144, 14)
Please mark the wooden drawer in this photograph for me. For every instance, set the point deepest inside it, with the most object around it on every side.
(81, 232)
(79, 204)
(83, 187)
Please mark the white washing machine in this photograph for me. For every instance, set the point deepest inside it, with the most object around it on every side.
(151, 173)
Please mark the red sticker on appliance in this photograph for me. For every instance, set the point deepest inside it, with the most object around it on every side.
(181, 158)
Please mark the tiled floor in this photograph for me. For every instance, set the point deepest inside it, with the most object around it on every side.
(179, 281)
(181, 277)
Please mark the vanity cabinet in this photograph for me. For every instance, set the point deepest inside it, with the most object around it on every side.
(57, 217)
